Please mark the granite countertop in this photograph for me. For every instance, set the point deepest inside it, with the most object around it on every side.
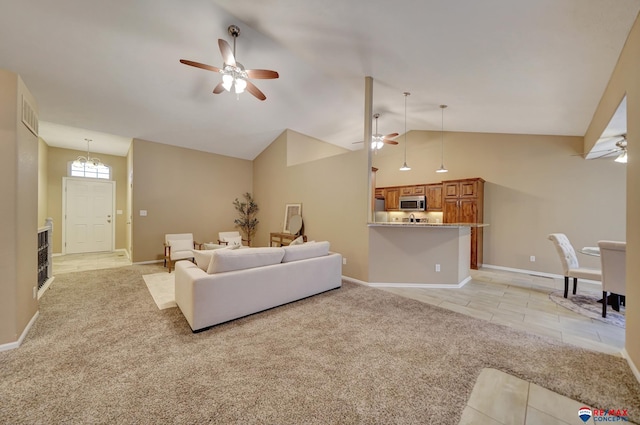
(414, 224)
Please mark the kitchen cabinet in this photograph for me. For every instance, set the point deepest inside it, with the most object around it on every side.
(434, 197)
(412, 190)
(392, 199)
(379, 193)
(463, 202)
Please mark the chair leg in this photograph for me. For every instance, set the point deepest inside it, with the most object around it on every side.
(566, 286)
(604, 303)
(615, 304)
(170, 264)
(575, 285)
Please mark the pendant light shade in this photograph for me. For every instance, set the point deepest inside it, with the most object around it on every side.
(405, 167)
(442, 168)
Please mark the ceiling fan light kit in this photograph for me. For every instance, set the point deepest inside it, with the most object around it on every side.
(442, 168)
(405, 167)
(234, 75)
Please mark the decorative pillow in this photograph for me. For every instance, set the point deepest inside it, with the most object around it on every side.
(307, 250)
(180, 245)
(203, 258)
(297, 241)
(226, 260)
(236, 240)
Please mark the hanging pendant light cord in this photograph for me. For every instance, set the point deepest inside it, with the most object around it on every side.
(405, 127)
(442, 137)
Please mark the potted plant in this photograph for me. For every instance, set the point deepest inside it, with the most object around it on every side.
(247, 221)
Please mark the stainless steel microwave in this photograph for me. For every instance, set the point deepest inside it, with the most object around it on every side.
(413, 203)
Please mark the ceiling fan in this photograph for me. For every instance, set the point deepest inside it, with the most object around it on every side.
(378, 140)
(234, 75)
(620, 149)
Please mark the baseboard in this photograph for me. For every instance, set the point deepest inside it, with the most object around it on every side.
(536, 273)
(149, 262)
(123, 250)
(633, 367)
(16, 344)
(409, 285)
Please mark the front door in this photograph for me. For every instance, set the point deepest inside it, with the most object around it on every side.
(88, 215)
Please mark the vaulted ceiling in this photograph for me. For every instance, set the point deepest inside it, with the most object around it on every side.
(505, 66)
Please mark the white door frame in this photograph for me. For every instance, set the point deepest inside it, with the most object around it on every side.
(64, 209)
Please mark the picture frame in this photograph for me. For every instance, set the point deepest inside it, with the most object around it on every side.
(289, 211)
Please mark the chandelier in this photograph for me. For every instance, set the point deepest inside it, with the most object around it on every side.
(88, 160)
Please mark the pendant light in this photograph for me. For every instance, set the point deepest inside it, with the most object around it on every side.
(88, 160)
(405, 167)
(442, 168)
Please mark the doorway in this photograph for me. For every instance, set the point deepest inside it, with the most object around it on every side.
(88, 215)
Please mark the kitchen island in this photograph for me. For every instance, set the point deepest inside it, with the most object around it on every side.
(430, 255)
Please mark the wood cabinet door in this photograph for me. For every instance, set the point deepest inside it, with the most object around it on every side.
(467, 211)
(379, 193)
(418, 190)
(406, 191)
(392, 199)
(450, 211)
(434, 197)
(450, 189)
(468, 189)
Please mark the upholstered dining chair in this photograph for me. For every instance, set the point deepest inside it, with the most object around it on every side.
(178, 246)
(570, 264)
(613, 259)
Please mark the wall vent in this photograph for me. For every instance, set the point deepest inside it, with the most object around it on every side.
(29, 116)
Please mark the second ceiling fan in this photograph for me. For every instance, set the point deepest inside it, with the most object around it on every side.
(378, 140)
(234, 75)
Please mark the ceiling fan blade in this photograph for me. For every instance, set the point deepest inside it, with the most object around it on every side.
(391, 136)
(251, 88)
(227, 53)
(261, 74)
(200, 65)
(389, 142)
(218, 89)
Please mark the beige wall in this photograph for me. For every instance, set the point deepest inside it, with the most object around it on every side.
(301, 148)
(534, 186)
(625, 80)
(183, 191)
(57, 164)
(18, 211)
(333, 193)
(43, 185)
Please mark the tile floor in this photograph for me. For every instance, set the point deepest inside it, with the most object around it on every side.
(512, 299)
(522, 302)
(513, 401)
(92, 261)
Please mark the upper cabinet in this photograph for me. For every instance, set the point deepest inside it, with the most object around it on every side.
(434, 197)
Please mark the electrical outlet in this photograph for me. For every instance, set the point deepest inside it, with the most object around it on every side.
(437, 267)
(344, 261)
(532, 258)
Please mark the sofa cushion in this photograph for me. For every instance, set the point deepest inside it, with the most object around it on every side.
(226, 260)
(203, 257)
(304, 251)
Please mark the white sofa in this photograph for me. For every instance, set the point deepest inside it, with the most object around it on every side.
(230, 284)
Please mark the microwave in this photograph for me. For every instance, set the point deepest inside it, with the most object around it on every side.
(413, 203)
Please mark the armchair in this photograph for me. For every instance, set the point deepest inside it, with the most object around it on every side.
(614, 274)
(230, 238)
(570, 264)
(178, 246)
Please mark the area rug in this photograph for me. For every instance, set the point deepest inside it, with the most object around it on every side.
(588, 305)
(161, 287)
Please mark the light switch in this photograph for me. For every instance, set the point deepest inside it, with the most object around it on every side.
(143, 213)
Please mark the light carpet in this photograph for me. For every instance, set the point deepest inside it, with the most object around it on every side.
(101, 352)
(162, 288)
(588, 305)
